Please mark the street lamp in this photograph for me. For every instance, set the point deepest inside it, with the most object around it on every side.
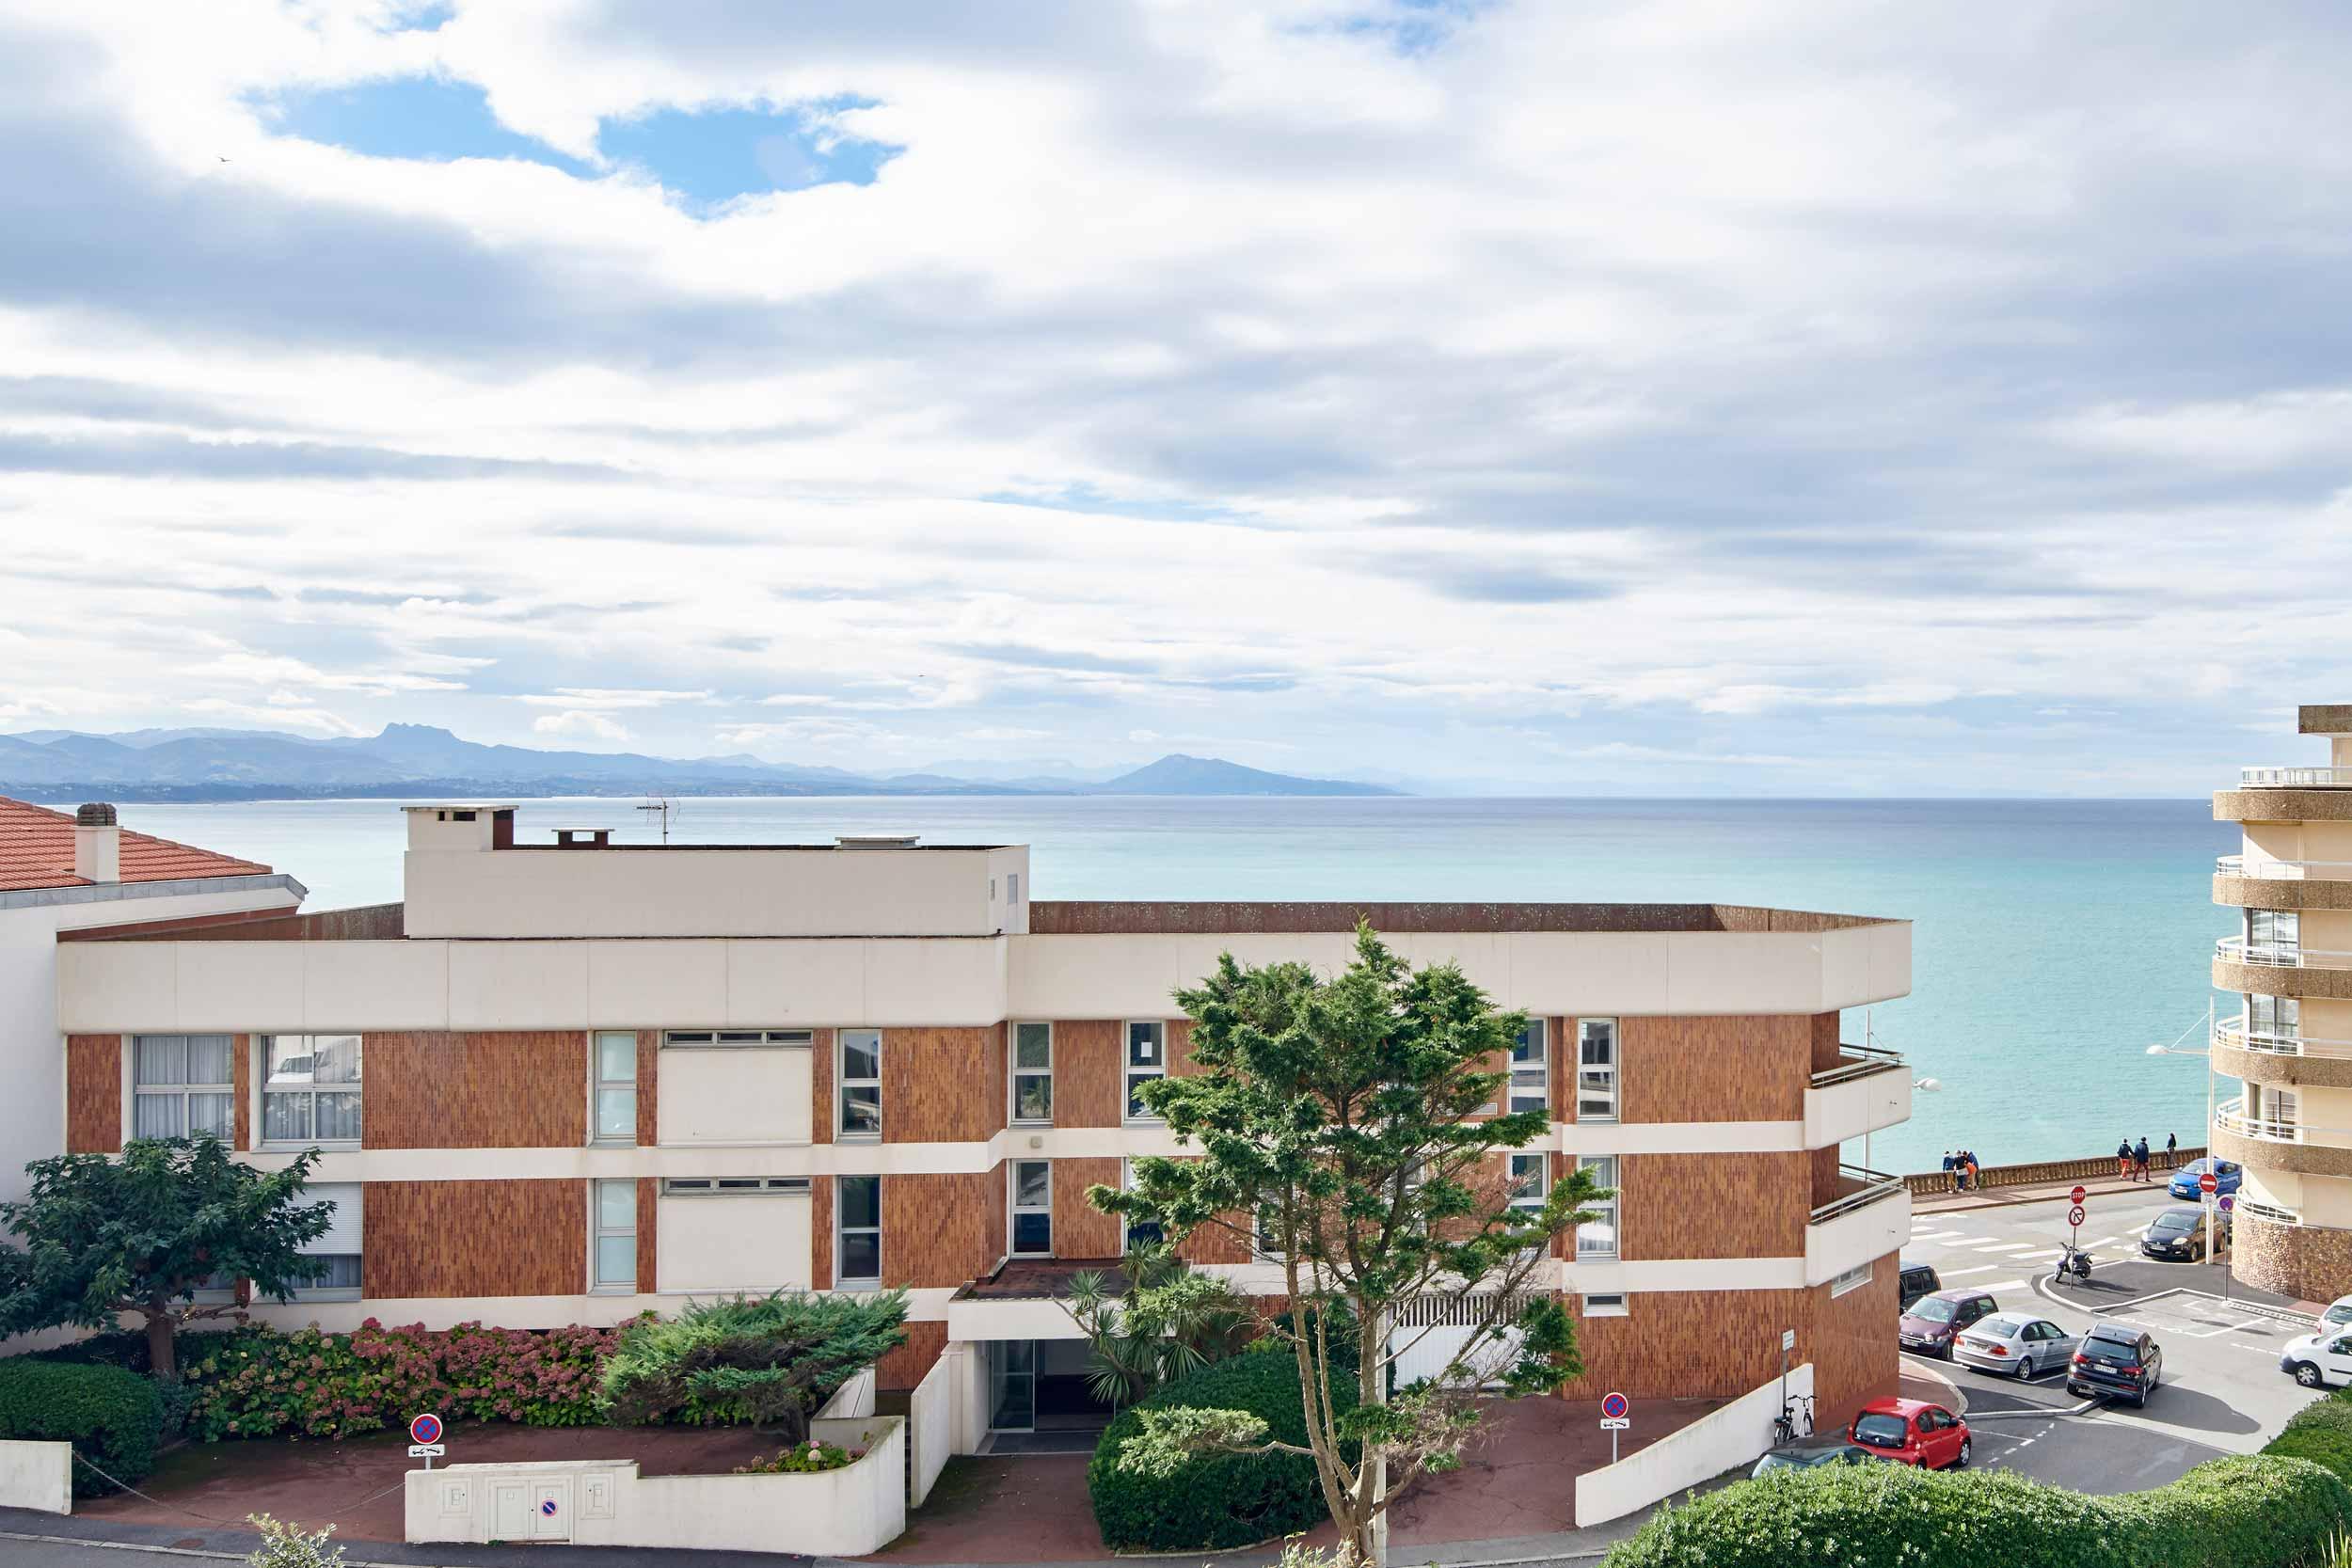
(2212, 1162)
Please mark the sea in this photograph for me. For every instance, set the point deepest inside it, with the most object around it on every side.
(2054, 942)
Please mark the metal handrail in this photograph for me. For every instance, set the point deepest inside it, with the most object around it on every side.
(2237, 1033)
(2280, 955)
(1858, 1061)
(1877, 1185)
(2230, 1116)
(2292, 778)
(2284, 871)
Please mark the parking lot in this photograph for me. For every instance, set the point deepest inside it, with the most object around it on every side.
(2223, 1391)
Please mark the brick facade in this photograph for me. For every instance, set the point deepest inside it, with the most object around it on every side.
(93, 1094)
(506, 1089)
(519, 1238)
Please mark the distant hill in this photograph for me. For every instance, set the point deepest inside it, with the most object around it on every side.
(421, 759)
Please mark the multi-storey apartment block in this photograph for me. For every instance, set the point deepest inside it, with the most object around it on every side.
(572, 1081)
(2291, 1042)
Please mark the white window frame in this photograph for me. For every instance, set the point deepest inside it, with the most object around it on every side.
(1126, 1226)
(183, 1091)
(841, 1229)
(1015, 1209)
(599, 1087)
(1012, 888)
(324, 1290)
(1604, 1211)
(1528, 1202)
(1014, 1072)
(600, 1233)
(843, 1083)
(1605, 1303)
(1852, 1279)
(357, 1089)
(737, 1039)
(1538, 1032)
(1615, 1071)
(1130, 1076)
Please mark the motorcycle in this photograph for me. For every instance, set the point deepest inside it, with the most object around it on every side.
(2073, 1260)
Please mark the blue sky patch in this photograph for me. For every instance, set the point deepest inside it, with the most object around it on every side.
(711, 156)
(424, 117)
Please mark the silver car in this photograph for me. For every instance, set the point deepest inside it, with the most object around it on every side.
(2014, 1343)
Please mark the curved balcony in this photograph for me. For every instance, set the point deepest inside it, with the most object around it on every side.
(2283, 871)
(2279, 968)
(2294, 778)
(2267, 1142)
(2255, 883)
(2259, 1057)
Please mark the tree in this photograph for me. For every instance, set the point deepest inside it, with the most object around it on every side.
(143, 1233)
(1343, 1129)
(1161, 1321)
(770, 1361)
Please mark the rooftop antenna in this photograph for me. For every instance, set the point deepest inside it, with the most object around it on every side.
(663, 804)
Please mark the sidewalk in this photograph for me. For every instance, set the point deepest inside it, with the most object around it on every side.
(2036, 1192)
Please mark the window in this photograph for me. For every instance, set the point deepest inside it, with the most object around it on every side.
(1147, 1059)
(182, 1086)
(1852, 1279)
(735, 1039)
(857, 1230)
(2277, 1017)
(1139, 1233)
(861, 1083)
(312, 1094)
(705, 1186)
(615, 1251)
(1598, 1236)
(1033, 1072)
(1608, 1303)
(1530, 1182)
(1531, 1068)
(2274, 936)
(1596, 1069)
(1012, 887)
(342, 1245)
(1032, 1208)
(616, 1086)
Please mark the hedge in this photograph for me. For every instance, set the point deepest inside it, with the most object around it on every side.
(2247, 1512)
(113, 1418)
(2321, 1431)
(1218, 1500)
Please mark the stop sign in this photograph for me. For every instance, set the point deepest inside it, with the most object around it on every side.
(2079, 1193)
(2207, 1182)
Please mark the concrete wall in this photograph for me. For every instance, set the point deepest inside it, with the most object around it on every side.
(1856, 1236)
(737, 1096)
(751, 1242)
(845, 1513)
(931, 1425)
(39, 1476)
(1732, 1436)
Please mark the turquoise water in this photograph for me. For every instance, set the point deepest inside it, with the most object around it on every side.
(2055, 940)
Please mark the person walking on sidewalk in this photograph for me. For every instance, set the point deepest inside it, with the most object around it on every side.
(2139, 1160)
(2124, 1157)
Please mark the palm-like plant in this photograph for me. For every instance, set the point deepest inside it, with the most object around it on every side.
(1152, 1321)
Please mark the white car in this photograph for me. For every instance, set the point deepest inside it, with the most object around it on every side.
(2339, 1312)
(2320, 1360)
(2012, 1343)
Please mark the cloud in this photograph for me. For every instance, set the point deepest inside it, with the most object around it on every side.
(588, 698)
(578, 724)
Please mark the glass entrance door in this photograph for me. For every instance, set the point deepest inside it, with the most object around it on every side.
(1012, 1384)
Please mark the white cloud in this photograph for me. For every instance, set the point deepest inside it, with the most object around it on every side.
(589, 698)
(579, 725)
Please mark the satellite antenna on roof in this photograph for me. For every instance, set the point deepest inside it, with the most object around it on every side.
(663, 804)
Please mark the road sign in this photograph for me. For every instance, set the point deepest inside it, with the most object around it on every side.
(426, 1451)
(2227, 1202)
(426, 1429)
(2075, 1215)
(1614, 1423)
(1613, 1406)
(547, 1506)
(2207, 1182)
(1787, 1339)
(2078, 1194)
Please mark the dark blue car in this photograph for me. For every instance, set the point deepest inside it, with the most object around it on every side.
(2227, 1175)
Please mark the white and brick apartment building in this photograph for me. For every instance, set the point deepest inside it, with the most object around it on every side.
(568, 1082)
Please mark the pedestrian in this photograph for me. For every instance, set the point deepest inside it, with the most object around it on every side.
(1972, 1170)
(2172, 1151)
(1948, 1163)
(2124, 1157)
(1959, 1168)
(2139, 1160)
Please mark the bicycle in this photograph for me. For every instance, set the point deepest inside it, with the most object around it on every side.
(1799, 1408)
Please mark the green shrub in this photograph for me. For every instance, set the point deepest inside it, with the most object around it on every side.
(114, 1419)
(1218, 1500)
(2321, 1431)
(2249, 1512)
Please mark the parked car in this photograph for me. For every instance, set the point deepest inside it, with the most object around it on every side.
(2117, 1358)
(2179, 1232)
(1929, 1323)
(2227, 1174)
(1913, 1431)
(2339, 1311)
(1811, 1455)
(2321, 1360)
(2014, 1343)
(1918, 1279)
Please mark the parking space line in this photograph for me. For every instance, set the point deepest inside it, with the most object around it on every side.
(2006, 1284)
(1963, 1274)
(2037, 1257)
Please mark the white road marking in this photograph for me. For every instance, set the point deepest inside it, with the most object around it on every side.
(1963, 1274)
(2005, 1246)
(1939, 1236)
(2006, 1285)
(2036, 1256)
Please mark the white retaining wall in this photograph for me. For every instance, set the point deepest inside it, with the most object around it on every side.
(38, 1476)
(931, 1425)
(1730, 1437)
(847, 1512)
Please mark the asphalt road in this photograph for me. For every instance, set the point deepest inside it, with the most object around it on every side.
(2222, 1390)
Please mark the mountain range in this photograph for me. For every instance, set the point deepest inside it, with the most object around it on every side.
(421, 759)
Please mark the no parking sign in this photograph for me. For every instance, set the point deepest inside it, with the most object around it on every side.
(424, 1434)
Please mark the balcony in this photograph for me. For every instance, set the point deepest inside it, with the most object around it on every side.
(2231, 1118)
(2275, 955)
(2283, 871)
(1866, 1218)
(1868, 1090)
(2235, 1033)
(1858, 1061)
(2274, 1143)
(2294, 778)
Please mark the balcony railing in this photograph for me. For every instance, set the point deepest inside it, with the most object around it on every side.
(2236, 1033)
(1858, 1061)
(2284, 871)
(2292, 778)
(2237, 950)
(1871, 1186)
(2231, 1117)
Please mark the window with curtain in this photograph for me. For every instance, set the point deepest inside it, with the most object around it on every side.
(181, 1085)
(1598, 1236)
(311, 1092)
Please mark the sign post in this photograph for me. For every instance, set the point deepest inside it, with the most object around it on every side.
(2208, 1184)
(1614, 1419)
(2225, 1202)
(424, 1439)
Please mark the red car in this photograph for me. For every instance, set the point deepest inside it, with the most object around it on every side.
(1913, 1431)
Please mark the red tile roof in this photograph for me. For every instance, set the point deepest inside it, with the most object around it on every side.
(37, 850)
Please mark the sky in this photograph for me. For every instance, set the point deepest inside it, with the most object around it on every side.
(1685, 397)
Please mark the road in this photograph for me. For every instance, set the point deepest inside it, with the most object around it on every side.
(2222, 1390)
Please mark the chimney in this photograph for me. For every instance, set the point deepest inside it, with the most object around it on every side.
(97, 844)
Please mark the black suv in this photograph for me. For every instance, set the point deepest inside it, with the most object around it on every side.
(1917, 1280)
(2117, 1358)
